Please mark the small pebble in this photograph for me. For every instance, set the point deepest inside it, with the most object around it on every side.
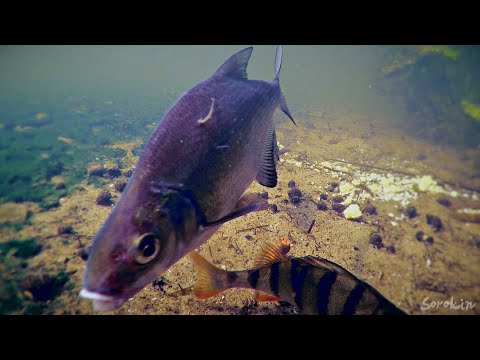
(274, 208)
(264, 195)
(421, 157)
(338, 207)
(391, 249)
(338, 199)
(355, 248)
(104, 198)
(284, 201)
(83, 253)
(322, 206)
(445, 202)
(120, 185)
(291, 184)
(410, 211)
(65, 229)
(323, 197)
(376, 240)
(334, 185)
(128, 173)
(370, 209)
(419, 235)
(294, 193)
(295, 200)
(429, 240)
(435, 222)
(248, 237)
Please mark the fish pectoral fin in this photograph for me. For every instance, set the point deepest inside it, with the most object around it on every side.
(236, 65)
(284, 108)
(267, 175)
(261, 296)
(249, 202)
(269, 255)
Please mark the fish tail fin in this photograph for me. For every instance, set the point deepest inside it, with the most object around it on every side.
(278, 67)
(210, 279)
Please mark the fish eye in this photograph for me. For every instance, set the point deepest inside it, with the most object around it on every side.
(147, 249)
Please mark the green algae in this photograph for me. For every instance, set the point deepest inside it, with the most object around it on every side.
(471, 110)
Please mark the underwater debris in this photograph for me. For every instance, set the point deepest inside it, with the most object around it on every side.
(322, 206)
(444, 201)
(370, 209)
(376, 241)
(352, 212)
(65, 229)
(104, 198)
(434, 221)
(120, 185)
(410, 211)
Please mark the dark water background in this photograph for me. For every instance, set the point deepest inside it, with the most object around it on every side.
(122, 90)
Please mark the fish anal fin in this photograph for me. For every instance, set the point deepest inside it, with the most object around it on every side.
(261, 296)
(236, 65)
(249, 202)
(267, 175)
(270, 254)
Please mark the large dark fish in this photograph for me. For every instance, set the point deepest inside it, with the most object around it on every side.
(190, 179)
(315, 285)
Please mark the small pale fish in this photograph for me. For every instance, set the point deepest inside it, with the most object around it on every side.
(315, 285)
(191, 178)
(66, 140)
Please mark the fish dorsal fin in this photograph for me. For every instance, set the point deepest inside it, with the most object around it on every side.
(323, 263)
(278, 61)
(248, 203)
(236, 66)
(269, 255)
(267, 175)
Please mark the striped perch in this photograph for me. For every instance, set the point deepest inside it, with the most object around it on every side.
(315, 285)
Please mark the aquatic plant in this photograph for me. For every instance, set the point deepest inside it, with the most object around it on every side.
(471, 110)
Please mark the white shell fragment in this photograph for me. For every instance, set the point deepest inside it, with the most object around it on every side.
(352, 212)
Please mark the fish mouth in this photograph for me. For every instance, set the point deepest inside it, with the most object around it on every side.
(102, 302)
